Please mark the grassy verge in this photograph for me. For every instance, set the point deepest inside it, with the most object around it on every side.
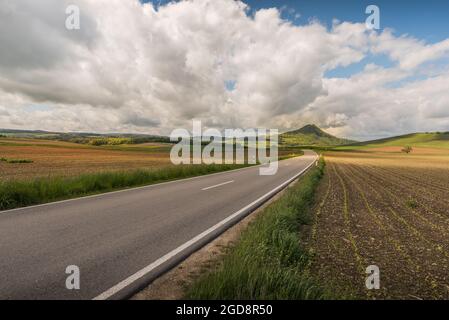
(269, 261)
(15, 194)
(293, 154)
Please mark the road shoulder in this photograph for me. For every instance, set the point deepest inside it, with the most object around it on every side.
(173, 284)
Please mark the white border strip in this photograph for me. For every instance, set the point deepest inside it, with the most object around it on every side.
(141, 273)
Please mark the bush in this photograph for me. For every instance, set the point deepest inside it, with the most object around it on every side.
(98, 142)
(16, 160)
(110, 141)
(19, 161)
(407, 149)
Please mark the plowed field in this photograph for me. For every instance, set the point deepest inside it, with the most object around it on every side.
(385, 208)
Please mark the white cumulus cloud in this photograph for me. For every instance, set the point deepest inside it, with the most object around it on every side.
(136, 68)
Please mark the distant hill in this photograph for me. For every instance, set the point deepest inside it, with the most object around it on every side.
(428, 139)
(80, 137)
(27, 133)
(311, 135)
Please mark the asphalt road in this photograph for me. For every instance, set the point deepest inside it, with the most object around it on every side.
(122, 240)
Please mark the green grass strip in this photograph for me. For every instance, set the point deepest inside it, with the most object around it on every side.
(15, 194)
(269, 261)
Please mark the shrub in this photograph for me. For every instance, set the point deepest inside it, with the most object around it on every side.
(407, 149)
(16, 160)
(19, 161)
(110, 141)
(98, 142)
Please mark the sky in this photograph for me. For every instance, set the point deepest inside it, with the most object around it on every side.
(153, 66)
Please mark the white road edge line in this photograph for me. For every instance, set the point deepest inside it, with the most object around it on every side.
(218, 185)
(141, 273)
(105, 194)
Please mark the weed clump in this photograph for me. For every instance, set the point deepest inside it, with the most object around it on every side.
(411, 203)
(15, 160)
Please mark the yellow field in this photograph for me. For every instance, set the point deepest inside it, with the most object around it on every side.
(386, 208)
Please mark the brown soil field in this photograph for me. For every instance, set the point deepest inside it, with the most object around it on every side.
(54, 158)
(57, 158)
(385, 208)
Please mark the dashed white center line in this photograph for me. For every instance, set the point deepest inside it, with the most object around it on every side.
(218, 185)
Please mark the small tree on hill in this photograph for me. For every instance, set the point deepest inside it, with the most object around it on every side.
(407, 149)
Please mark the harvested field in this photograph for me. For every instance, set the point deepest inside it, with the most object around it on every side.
(54, 158)
(382, 207)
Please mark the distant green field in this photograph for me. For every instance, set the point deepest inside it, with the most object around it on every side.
(425, 140)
